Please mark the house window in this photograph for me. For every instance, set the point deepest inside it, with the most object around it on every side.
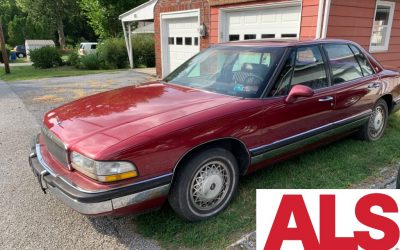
(234, 38)
(265, 36)
(196, 41)
(249, 36)
(188, 41)
(179, 41)
(382, 26)
(171, 41)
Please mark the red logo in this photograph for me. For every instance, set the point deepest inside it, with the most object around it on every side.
(365, 216)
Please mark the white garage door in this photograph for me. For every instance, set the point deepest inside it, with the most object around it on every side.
(182, 38)
(261, 23)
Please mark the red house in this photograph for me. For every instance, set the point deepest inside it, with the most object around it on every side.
(184, 27)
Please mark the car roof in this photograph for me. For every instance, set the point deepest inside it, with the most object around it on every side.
(284, 42)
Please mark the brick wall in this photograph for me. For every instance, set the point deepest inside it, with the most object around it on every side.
(353, 20)
(164, 6)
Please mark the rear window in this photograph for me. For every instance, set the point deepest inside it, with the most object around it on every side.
(343, 63)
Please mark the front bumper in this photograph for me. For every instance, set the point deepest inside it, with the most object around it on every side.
(147, 194)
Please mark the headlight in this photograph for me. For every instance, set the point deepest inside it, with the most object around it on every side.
(103, 171)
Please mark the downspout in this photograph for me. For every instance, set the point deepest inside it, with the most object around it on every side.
(320, 16)
(326, 18)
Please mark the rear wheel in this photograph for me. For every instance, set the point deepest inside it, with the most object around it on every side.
(204, 185)
(374, 129)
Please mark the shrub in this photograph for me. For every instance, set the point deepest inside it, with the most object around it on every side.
(91, 62)
(143, 50)
(112, 53)
(46, 57)
(73, 59)
(1, 55)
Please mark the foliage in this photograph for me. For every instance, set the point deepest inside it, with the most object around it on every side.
(46, 57)
(143, 50)
(90, 62)
(73, 59)
(102, 14)
(112, 52)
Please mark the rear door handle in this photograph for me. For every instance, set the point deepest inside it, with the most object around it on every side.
(326, 99)
(374, 85)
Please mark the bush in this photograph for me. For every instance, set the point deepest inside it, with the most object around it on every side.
(46, 57)
(91, 62)
(1, 55)
(112, 53)
(73, 59)
(143, 50)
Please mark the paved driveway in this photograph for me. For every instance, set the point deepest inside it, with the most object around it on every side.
(29, 219)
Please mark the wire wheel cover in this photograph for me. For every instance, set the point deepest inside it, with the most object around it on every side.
(377, 122)
(210, 185)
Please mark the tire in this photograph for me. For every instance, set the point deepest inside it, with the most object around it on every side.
(196, 199)
(374, 129)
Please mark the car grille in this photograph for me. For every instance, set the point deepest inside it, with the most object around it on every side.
(55, 146)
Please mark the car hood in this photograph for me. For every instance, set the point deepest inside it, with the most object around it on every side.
(100, 121)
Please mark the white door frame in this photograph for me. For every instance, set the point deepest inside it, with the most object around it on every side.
(164, 39)
(223, 24)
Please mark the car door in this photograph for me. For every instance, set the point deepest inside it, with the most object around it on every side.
(357, 87)
(289, 126)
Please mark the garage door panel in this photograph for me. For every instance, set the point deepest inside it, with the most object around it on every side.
(263, 23)
(181, 41)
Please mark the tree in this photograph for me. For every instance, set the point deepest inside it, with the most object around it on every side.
(56, 11)
(103, 15)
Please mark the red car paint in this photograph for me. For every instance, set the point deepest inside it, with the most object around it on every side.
(155, 124)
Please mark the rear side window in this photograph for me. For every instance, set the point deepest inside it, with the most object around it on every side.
(363, 61)
(93, 46)
(345, 66)
(304, 66)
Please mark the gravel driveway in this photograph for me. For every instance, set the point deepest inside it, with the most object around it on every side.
(30, 219)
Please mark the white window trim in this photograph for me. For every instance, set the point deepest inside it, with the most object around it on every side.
(384, 48)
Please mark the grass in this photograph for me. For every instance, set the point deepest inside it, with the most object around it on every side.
(30, 73)
(338, 165)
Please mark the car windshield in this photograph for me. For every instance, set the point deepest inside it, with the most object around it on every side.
(240, 71)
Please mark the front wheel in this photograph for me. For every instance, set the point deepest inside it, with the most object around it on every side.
(374, 129)
(204, 185)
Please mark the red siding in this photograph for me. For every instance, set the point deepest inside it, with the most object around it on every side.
(353, 20)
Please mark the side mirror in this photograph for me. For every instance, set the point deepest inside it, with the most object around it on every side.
(299, 91)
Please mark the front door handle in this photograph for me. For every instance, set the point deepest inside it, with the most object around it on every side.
(326, 99)
(374, 85)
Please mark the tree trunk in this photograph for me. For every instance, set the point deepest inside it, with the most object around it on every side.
(4, 50)
(60, 30)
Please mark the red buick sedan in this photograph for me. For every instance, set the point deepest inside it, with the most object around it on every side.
(230, 110)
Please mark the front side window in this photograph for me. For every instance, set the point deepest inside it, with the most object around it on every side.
(382, 27)
(343, 63)
(304, 66)
(231, 70)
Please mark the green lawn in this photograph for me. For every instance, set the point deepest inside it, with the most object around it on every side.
(335, 166)
(29, 72)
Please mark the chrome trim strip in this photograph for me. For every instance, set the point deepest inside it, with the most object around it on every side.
(288, 139)
(110, 205)
(306, 141)
(73, 185)
(84, 208)
(141, 197)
